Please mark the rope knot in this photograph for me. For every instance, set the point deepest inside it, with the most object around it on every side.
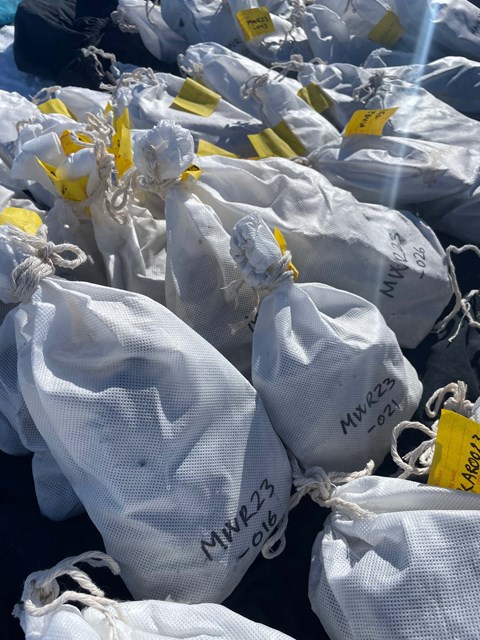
(44, 255)
(41, 594)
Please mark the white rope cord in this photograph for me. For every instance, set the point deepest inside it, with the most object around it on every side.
(195, 70)
(45, 255)
(418, 461)
(462, 304)
(119, 17)
(47, 93)
(41, 594)
(111, 75)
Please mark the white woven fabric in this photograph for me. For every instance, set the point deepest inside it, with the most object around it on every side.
(166, 445)
(151, 100)
(158, 38)
(364, 249)
(265, 95)
(405, 571)
(199, 21)
(419, 114)
(453, 79)
(329, 370)
(47, 614)
(287, 39)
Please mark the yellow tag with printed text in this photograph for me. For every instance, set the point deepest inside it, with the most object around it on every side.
(193, 171)
(24, 219)
(277, 141)
(315, 96)
(369, 121)
(196, 98)
(387, 30)
(75, 190)
(255, 22)
(456, 461)
(208, 149)
(69, 143)
(55, 105)
(283, 247)
(122, 144)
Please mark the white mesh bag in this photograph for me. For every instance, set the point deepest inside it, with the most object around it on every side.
(448, 26)
(131, 243)
(329, 370)
(200, 21)
(419, 114)
(179, 469)
(262, 93)
(402, 568)
(45, 611)
(338, 241)
(453, 79)
(152, 98)
(158, 38)
(398, 172)
(282, 39)
(364, 249)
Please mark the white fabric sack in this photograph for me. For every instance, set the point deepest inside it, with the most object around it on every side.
(226, 72)
(453, 79)
(46, 612)
(151, 100)
(398, 172)
(368, 250)
(448, 26)
(339, 82)
(200, 21)
(158, 38)
(276, 97)
(404, 570)
(81, 101)
(328, 369)
(19, 436)
(287, 39)
(330, 37)
(420, 115)
(200, 216)
(134, 406)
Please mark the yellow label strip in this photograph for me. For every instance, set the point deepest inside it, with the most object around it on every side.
(316, 97)
(456, 461)
(55, 105)
(208, 149)
(282, 243)
(196, 98)
(255, 22)
(24, 219)
(388, 30)
(369, 121)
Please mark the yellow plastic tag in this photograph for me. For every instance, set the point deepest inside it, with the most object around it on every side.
(208, 149)
(69, 144)
(388, 30)
(122, 144)
(108, 108)
(456, 461)
(75, 190)
(255, 22)
(315, 96)
(283, 247)
(369, 121)
(278, 141)
(193, 171)
(23, 219)
(196, 98)
(55, 105)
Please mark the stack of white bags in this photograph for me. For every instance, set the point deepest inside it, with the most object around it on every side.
(205, 286)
